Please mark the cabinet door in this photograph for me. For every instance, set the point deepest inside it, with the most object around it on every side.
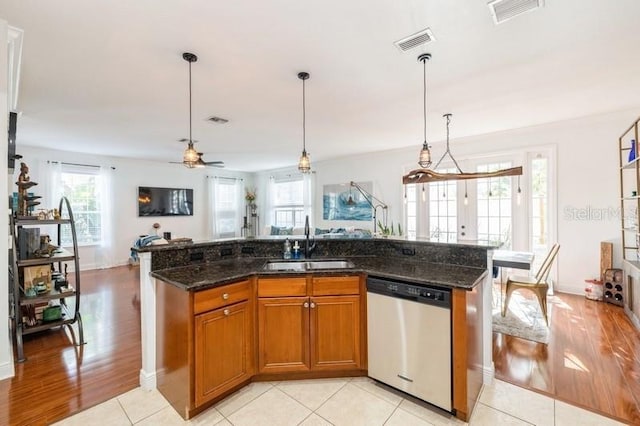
(223, 350)
(283, 334)
(335, 332)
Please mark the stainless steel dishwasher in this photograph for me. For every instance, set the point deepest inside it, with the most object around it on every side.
(409, 339)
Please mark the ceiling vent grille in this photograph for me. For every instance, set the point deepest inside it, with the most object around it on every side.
(418, 39)
(503, 10)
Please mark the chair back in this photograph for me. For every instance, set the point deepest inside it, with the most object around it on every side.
(545, 268)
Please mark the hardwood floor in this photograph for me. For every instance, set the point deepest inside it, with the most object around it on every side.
(58, 378)
(592, 359)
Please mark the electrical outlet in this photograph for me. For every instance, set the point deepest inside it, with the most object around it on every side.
(194, 257)
(408, 251)
(226, 251)
(247, 250)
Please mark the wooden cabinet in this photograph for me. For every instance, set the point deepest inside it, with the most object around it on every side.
(222, 350)
(300, 332)
(205, 343)
(283, 334)
(335, 332)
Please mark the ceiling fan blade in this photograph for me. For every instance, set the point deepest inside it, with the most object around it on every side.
(219, 164)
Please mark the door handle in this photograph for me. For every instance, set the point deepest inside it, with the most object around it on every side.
(313, 305)
(305, 304)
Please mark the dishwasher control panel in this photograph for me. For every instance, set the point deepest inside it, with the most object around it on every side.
(417, 293)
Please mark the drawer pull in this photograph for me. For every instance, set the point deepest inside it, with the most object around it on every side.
(225, 296)
(306, 304)
(226, 312)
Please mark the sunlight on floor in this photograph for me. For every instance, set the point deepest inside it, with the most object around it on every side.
(573, 362)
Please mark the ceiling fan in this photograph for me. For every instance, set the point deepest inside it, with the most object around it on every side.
(192, 158)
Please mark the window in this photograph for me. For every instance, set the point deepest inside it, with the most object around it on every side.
(81, 185)
(539, 210)
(411, 209)
(494, 206)
(443, 212)
(288, 202)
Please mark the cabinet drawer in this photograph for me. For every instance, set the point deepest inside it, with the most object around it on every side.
(335, 286)
(214, 298)
(282, 287)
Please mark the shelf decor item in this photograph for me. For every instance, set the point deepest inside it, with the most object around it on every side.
(632, 152)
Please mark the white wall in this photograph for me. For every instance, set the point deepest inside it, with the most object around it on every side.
(587, 178)
(6, 352)
(128, 175)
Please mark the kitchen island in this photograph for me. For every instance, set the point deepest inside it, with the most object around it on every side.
(180, 286)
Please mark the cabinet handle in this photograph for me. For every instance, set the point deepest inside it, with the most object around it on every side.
(225, 296)
(313, 305)
(306, 304)
(226, 312)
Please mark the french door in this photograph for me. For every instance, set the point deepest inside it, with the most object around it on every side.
(513, 212)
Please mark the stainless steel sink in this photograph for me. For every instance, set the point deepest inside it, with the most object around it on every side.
(329, 264)
(310, 265)
(285, 266)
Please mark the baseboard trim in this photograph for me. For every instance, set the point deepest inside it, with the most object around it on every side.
(488, 373)
(6, 370)
(148, 380)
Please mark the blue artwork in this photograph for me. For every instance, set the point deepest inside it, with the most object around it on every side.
(343, 202)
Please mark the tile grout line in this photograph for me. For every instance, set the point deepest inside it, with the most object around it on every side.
(123, 410)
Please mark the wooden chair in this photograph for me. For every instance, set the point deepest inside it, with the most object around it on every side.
(538, 284)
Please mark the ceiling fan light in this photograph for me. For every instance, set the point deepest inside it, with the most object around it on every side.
(424, 160)
(190, 154)
(304, 165)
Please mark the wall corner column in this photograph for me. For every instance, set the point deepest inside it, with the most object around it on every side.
(147, 323)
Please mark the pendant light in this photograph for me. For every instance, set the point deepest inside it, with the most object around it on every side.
(190, 156)
(424, 159)
(426, 174)
(304, 165)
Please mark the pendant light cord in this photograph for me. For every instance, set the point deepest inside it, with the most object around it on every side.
(190, 137)
(424, 97)
(304, 116)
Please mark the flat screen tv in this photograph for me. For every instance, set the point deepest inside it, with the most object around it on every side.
(165, 201)
(13, 119)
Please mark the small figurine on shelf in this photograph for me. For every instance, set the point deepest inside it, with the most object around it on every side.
(25, 201)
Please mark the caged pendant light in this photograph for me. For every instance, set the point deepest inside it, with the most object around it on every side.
(424, 160)
(304, 165)
(190, 156)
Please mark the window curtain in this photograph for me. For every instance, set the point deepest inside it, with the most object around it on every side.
(269, 202)
(52, 189)
(308, 195)
(211, 211)
(105, 252)
(226, 206)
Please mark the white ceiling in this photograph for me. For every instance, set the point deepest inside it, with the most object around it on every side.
(107, 77)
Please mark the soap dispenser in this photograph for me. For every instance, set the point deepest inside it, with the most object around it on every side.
(287, 249)
(296, 250)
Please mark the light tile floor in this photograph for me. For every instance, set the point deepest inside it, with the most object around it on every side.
(355, 401)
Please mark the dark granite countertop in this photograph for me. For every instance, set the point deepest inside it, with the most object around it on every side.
(212, 274)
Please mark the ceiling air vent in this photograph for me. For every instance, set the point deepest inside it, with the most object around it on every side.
(414, 40)
(503, 10)
(217, 120)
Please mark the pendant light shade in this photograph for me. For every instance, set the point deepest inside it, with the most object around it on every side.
(424, 160)
(304, 164)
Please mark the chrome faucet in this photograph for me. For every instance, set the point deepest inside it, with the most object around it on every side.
(308, 249)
